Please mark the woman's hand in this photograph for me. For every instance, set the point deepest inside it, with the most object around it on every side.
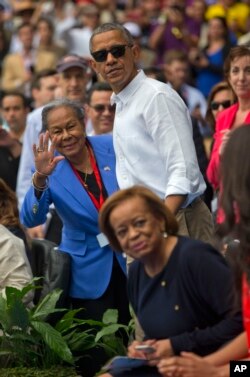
(45, 161)
(189, 365)
(133, 352)
(163, 349)
(224, 140)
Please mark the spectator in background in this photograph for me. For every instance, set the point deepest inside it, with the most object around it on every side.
(237, 14)
(9, 214)
(208, 62)
(220, 98)
(15, 270)
(237, 73)
(100, 113)
(171, 31)
(43, 87)
(22, 13)
(177, 73)
(19, 67)
(147, 56)
(77, 38)
(45, 37)
(14, 110)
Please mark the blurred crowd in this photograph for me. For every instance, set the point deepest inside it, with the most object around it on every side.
(52, 85)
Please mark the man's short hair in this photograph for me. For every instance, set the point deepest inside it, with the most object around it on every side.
(99, 87)
(36, 82)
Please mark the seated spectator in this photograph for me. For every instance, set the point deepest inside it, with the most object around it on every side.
(235, 203)
(180, 289)
(15, 270)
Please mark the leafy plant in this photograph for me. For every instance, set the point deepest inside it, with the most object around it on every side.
(27, 339)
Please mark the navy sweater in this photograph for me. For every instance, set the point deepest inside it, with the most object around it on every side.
(190, 301)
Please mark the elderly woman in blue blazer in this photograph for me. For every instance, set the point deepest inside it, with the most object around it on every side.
(76, 174)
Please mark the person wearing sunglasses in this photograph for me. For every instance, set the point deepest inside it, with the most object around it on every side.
(237, 74)
(99, 111)
(220, 98)
(152, 131)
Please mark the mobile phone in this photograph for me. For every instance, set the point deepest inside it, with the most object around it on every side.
(145, 348)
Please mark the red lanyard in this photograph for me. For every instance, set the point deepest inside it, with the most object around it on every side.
(98, 179)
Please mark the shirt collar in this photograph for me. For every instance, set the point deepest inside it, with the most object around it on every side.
(129, 90)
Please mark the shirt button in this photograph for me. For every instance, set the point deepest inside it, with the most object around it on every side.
(163, 283)
(176, 307)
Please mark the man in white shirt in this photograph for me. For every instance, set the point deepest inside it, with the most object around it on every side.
(152, 132)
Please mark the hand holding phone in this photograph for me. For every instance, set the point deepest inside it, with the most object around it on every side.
(145, 348)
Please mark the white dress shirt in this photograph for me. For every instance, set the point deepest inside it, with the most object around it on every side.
(26, 165)
(153, 140)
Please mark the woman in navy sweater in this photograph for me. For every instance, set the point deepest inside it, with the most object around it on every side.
(180, 289)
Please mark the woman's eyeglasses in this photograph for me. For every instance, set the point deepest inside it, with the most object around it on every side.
(117, 52)
(101, 108)
(225, 104)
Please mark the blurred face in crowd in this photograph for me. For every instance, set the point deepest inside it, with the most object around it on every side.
(73, 83)
(46, 92)
(176, 73)
(100, 111)
(45, 33)
(26, 34)
(14, 112)
(239, 76)
(221, 101)
(117, 71)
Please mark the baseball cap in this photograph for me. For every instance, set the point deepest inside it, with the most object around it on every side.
(70, 61)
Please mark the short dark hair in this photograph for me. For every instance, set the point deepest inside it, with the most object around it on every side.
(152, 201)
(36, 81)
(14, 93)
(175, 55)
(97, 87)
(109, 26)
(25, 24)
(235, 52)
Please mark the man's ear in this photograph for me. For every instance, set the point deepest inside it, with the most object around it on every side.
(136, 51)
(93, 65)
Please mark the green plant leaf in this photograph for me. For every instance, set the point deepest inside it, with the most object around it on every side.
(54, 340)
(110, 316)
(4, 318)
(47, 305)
(18, 314)
(111, 329)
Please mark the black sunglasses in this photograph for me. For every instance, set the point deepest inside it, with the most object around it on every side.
(225, 104)
(117, 52)
(101, 108)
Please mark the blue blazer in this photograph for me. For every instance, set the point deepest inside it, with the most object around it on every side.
(91, 264)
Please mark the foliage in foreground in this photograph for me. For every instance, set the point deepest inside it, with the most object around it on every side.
(27, 339)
